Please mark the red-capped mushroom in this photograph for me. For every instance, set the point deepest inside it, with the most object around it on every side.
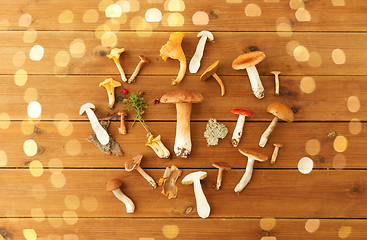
(237, 133)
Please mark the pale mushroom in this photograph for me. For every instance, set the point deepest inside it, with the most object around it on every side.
(134, 163)
(183, 100)
(252, 157)
(195, 60)
(143, 60)
(114, 186)
(275, 152)
(110, 86)
(122, 128)
(222, 166)
(237, 133)
(248, 61)
(115, 55)
(276, 74)
(211, 71)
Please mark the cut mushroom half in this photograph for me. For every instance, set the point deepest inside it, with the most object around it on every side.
(237, 133)
(114, 186)
(134, 163)
(211, 71)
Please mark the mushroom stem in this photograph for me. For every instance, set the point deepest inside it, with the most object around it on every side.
(246, 177)
(146, 176)
(274, 155)
(122, 73)
(219, 179)
(122, 128)
(222, 88)
(255, 81)
(181, 73)
(237, 133)
(130, 207)
(265, 136)
(183, 145)
(202, 204)
(276, 73)
(138, 67)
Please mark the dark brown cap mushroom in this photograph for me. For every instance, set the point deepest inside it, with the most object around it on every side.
(114, 186)
(212, 71)
(134, 163)
(281, 111)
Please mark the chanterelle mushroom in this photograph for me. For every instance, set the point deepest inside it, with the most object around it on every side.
(158, 147)
(252, 157)
(212, 71)
(248, 61)
(110, 86)
(183, 100)
(115, 55)
(114, 186)
(172, 49)
(134, 163)
(280, 111)
(237, 133)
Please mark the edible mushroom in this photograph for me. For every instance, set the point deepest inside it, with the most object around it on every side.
(237, 133)
(276, 73)
(280, 111)
(115, 55)
(212, 71)
(158, 147)
(202, 204)
(143, 60)
(114, 186)
(275, 152)
(195, 60)
(252, 156)
(134, 163)
(122, 128)
(101, 133)
(183, 100)
(110, 86)
(174, 50)
(222, 166)
(248, 61)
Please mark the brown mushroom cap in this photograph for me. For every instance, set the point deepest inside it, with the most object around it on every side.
(182, 96)
(133, 163)
(247, 60)
(144, 59)
(113, 184)
(253, 154)
(210, 71)
(221, 165)
(277, 144)
(281, 111)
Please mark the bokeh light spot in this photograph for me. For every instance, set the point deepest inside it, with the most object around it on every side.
(4, 25)
(70, 237)
(62, 58)
(104, 4)
(30, 234)
(124, 5)
(314, 60)
(338, 56)
(355, 126)
(170, 231)
(296, 4)
(291, 47)
(70, 217)
(252, 10)
(312, 225)
(90, 16)
(308, 85)
(72, 202)
(3, 158)
(267, 223)
(36, 168)
(175, 20)
(353, 104)
(174, 5)
(90, 204)
(55, 165)
(4, 121)
(305, 165)
(113, 11)
(37, 214)
(340, 144)
(284, 27)
(303, 15)
(339, 161)
(338, 3)
(36, 53)
(30, 95)
(233, 1)
(133, 5)
(153, 15)
(77, 48)
(20, 77)
(313, 147)
(200, 18)
(113, 25)
(34, 109)
(344, 231)
(66, 16)
(38, 191)
(73, 147)
(58, 179)
(19, 58)
(25, 20)
(109, 39)
(55, 220)
(301, 54)
(30, 36)
(30, 147)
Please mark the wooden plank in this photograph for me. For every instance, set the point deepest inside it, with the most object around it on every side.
(315, 55)
(334, 15)
(272, 193)
(315, 140)
(154, 229)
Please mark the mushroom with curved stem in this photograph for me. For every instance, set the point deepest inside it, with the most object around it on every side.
(134, 163)
(101, 133)
(280, 111)
(183, 100)
(248, 61)
(237, 133)
(222, 166)
(252, 157)
(276, 73)
(212, 71)
(172, 49)
(195, 60)
(115, 55)
(158, 147)
(110, 86)
(122, 128)
(143, 60)
(114, 186)
(202, 204)
(275, 152)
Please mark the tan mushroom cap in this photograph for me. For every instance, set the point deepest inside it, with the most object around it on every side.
(281, 111)
(221, 165)
(247, 60)
(210, 71)
(278, 145)
(133, 163)
(182, 96)
(109, 82)
(113, 184)
(253, 154)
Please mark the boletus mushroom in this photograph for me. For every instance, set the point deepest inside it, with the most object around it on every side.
(114, 186)
(134, 163)
(183, 100)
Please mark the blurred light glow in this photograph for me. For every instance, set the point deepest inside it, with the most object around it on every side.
(338, 56)
(36, 53)
(90, 16)
(30, 95)
(340, 144)
(303, 15)
(344, 232)
(314, 60)
(312, 225)
(30, 147)
(62, 58)
(252, 10)
(70, 217)
(296, 4)
(170, 231)
(308, 85)
(355, 126)
(153, 15)
(73, 147)
(339, 161)
(109, 39)
(36, 168)
(34, 109)
(77, 48)
(58, 179)
(113, 11)
(29, 234)
(267, 223)
(4, 121)
(200, 18)
(313, 147)
(301, 54)
(3, 158)
(55, 165)
(20, 77)
(4, 25)
(353, 104)
(174, 5)
(25, 20)
(66, 16)
(338, 3)
(19, 58)
(72, 202)
(30, 36)
(37, 214)
(291, 46)
(305, 165)
(90, 204)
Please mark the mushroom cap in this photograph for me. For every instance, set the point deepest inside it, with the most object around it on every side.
(115, 53)
(86, 106)
(113, 184)
(182, 96)
(245, 112)
(133, 163)
(221, 165)
(173, 47)
(144, 59)
(191, 177)
(277, 144)
(209, 71)
(253, 154)
(208, 34)
(281, 111)
(247, 60)
(109, 82)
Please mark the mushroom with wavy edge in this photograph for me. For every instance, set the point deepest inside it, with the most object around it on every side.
(248, 61)
(275, 152)
(114, 186)
(158, 147)
(252, 157)
(110, 86)
(115, 55)
(222, 166)
(172, 49)
(134, 163)
(237, 133)
(183, 100)
(212, 71)
(168, 181)
(280, 111)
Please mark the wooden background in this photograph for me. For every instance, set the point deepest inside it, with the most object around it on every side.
(58, 192)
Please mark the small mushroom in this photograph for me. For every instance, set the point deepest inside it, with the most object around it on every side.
(248, 61)
(211, 71)
(183, 100)
(101, 133)
(202, 204)
(134, 163)
(158, 147)
(237, 133)
(280, 111)
(275, 152)
(115, 55)
(114, 186)
(252, 157)
(122, 128)
(143, 60)
(110, 86)
(222, 166)
(168, 181)
(195, 60)
(276, 73)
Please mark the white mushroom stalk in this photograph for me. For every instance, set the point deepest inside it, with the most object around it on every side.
(130, 207)
(195, 60)
(276, 73)
(265, 136)
(256, 84)
(115, 56)
(237, 133)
